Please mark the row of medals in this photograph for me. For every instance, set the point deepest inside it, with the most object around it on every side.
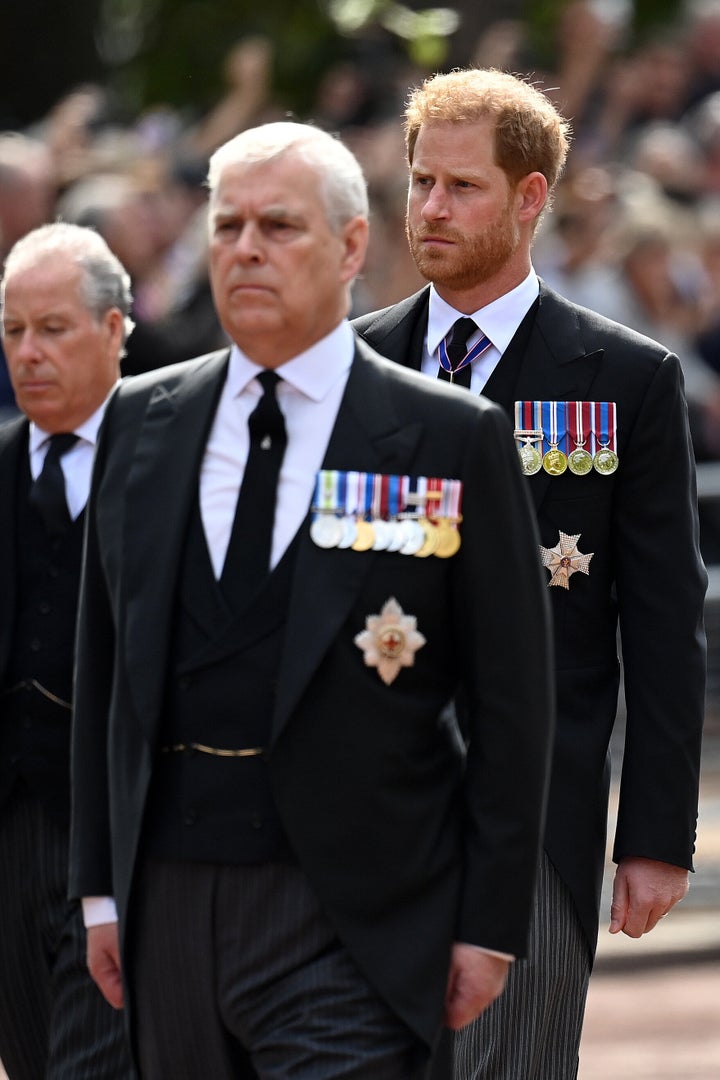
(407, 535)
(555, 462)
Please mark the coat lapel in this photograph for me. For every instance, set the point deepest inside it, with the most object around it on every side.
(164, 470)
(401, 329)
(367, 437)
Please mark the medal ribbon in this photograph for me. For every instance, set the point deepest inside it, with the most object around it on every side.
(376, 496)
(326, 490)
(450, 502)
(578, 421)
(351, 492)
(385, 497)
(553, 423)
(605, 426)
(394, 486)
(342, 486)
(434, 505)
(477, 350)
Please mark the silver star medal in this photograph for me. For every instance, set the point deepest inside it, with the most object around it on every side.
(390, 640)
(564, 560)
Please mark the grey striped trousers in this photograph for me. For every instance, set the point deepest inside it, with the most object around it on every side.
(237, 974)
(532, 1032)
(54, 1022)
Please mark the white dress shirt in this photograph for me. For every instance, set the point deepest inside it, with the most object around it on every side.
(76, 464)
(309, 394)
(498, 320)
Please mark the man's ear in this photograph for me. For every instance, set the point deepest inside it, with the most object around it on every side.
(355, 237)
(531, 193)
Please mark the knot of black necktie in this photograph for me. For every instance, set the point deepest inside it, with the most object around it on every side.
(248, 556)
(47, 493)
(457, 350)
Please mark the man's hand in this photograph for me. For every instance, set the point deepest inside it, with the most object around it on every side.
(644, 890)
(475, 979)
(103, 961)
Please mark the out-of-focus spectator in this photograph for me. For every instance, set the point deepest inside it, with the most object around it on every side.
(576, 249)
(702, 45)
(28, 185)
(670, 155)
(156, 226)
(247, 101)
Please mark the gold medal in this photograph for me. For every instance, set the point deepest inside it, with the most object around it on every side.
(365, 536)
(605, 461)
(578, 415)
(580, 462)
(554, 462)
(448, 539)
(431, 539)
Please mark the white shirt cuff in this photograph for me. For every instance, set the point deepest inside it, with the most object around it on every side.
(98, 910)
(510, 957)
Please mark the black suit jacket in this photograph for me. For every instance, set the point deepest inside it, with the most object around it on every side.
(50, 764)
(13, 443)
(408, 843)
(646, 572)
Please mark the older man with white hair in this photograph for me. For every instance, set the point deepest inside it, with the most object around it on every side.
(65, 302)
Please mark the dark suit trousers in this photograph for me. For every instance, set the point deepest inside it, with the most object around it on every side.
(532, 1031)
(54, 1022)
(235, 973)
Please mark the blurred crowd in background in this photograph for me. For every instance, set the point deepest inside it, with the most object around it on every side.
(634, 232)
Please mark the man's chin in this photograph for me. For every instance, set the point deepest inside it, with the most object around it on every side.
(437, 271)
(434, 265)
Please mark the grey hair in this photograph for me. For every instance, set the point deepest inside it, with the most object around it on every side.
(105, 283)
(342, 184)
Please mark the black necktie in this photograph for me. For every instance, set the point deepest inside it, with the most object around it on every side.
(247, 562)
(457, 350)
(47, 493)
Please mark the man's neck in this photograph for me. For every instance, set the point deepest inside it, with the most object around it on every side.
(482, 293)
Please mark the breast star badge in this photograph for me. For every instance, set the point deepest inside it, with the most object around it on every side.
(564, 560)
(390, 640)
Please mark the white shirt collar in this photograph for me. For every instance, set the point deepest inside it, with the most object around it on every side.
(312, 373)
(86, 432)
(499, 319)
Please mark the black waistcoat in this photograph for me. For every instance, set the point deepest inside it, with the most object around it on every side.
(220, 692)
(34, 707)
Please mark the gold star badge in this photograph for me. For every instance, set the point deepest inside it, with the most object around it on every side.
(564, 560)
(390, 640)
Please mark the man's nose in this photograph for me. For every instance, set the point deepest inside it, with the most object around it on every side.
(248, 245)
(26, 346)
(436, 204)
